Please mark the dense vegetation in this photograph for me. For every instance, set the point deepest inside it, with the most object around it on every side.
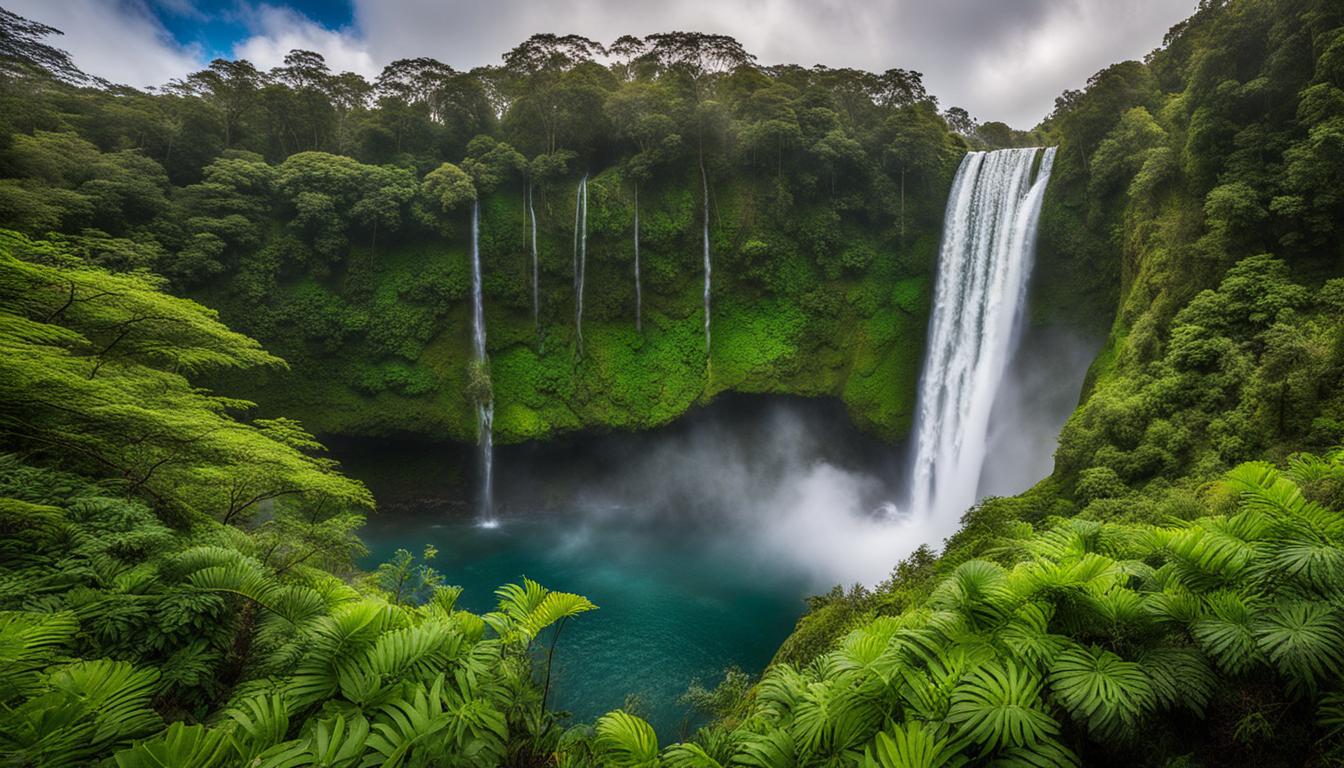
(327, 217)
(177, 583)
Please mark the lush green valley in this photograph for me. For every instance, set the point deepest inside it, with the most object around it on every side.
(195, 281)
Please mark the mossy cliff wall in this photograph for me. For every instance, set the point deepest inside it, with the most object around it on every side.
(813, 299)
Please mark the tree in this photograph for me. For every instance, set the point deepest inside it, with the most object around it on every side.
(231, 87)
(490, 163)
(444, 190)
(21, 45)
(959, 121)
(386, 193)
(95, 368)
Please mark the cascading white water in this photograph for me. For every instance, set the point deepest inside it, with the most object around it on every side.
(485, 411)
(989, 235)
(704, 183)
(536, 273)
(580, 255)
(639, 295)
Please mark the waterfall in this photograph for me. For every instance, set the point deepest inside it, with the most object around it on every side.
(485, 411)
(536, 273)
(580, 254)
(989, 235)
(639, 296)
(704, 183)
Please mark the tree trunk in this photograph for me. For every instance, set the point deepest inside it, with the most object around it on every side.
(550, 656)
(902, 205)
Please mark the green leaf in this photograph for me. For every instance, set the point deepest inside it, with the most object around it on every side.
(999, 705)
(626, 741)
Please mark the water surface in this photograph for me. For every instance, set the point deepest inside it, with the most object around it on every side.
(670, 609)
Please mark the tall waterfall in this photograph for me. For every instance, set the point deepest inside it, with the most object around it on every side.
(989, 235)
(485, 411)
(704, 183)
(639, 294)
(536, 272)
(580, 254)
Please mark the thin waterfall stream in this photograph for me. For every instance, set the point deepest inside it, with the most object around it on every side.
(704, 183)
(639, 295)
(536, 270)
(485, 406)
(580, 256)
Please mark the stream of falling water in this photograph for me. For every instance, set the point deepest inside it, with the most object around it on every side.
(580, 255)
(989, 236)
(485, 411)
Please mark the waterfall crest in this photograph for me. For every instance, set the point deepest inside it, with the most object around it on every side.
(485, 409)
(704, 183)
(580, 255)
(989, 235)
(639, 295)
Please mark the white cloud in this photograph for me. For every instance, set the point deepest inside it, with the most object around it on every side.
(278, 30)
(118, 40)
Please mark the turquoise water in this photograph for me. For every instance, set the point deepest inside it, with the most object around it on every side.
(671, 606)
(699, 542)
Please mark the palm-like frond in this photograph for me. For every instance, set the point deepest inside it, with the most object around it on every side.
(999, 705)
(911, 745)
(688, 756)
(772, 748)
(1109, 695)
(1179, 676)
(404, 726)
(92, 709)
(29, 642)
(554, 607)
(1304, 640)
(410, 653)
(1044, 754)
(626, 741)
(1226, 632)
(182, 746)
(976, 590)
(259, 722)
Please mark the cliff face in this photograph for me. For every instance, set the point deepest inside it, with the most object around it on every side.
(808, 299)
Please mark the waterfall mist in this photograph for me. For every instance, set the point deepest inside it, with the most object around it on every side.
(776, 485)
(787, 486)
(1039, 391)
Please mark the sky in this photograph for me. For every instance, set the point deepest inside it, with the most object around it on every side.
(1001, 60)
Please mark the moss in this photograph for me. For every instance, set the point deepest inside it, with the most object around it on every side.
(383, 346)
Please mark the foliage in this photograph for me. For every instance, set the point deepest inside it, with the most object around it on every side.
(1099, 639)
(327, 217)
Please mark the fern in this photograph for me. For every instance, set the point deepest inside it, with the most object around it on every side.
(29, 642)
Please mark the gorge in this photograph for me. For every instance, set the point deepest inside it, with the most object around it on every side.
(915, 439)
(659, 507)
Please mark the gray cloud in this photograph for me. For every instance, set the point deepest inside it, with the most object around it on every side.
(1000, 59)
(120, 40)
